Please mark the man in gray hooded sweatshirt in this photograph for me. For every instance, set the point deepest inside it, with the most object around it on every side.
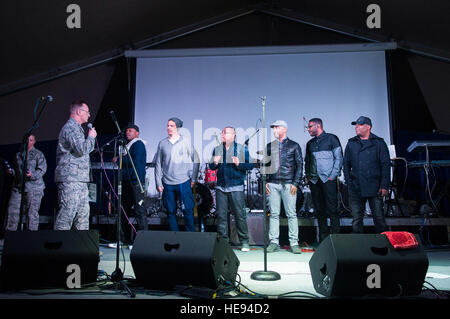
(176, 170)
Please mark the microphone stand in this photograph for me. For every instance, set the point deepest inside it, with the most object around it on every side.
(24, 167)
(265, 275)
(117, 275)
(441, 132)
(115, 138)
(248, 173)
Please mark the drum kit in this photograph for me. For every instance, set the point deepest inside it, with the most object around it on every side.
(205, 191)
(205, 194)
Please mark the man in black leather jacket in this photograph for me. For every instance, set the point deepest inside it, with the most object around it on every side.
(284, 168)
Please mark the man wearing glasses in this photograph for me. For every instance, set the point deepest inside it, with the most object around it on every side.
(231, 160)
(323, 163)
(72, 169)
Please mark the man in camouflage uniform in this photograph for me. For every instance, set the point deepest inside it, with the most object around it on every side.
(72, 169)
(34, 187)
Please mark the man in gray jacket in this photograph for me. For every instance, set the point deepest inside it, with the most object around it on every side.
(323, 163)
(72, 169)
(34, 187)
(176, 170)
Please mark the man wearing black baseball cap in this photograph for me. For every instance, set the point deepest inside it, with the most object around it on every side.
(133, 126)
(367, 174)
(362, 120)
(132, 194)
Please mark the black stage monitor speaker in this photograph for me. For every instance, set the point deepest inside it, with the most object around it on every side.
(164, 259)
(45, 259)
(366, 264)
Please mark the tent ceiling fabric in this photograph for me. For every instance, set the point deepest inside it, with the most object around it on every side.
(433, 78)
(18, 115)
(414, 22)
(36, 38)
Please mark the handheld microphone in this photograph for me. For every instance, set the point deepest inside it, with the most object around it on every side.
(49, 98)
(89, 125)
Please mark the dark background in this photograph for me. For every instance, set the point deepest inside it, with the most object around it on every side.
(40, 56)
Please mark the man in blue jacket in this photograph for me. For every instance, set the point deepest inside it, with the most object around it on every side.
(132, 193)
(231, 160)
(367, 174)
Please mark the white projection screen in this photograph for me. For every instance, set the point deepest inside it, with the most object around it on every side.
(212, 88)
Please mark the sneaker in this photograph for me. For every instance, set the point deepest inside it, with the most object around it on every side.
(272, 248)
(113, 245)
(130, 247)
(245, 247)
(296, 249)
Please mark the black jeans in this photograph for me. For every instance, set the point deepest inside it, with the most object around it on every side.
(133, 204)
(357, 205)
(325, 200)
(237, 202)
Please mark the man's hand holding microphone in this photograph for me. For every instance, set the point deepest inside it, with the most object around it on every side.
(92, 132)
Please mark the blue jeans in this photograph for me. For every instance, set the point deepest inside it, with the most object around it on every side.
(184, 193)
(278, 193)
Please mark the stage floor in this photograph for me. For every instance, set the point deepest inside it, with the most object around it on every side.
(295, 282)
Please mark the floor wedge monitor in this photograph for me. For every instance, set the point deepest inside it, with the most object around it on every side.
(164, 259)
(367, 264)
(49, 259)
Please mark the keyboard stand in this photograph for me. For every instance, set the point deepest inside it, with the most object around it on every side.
(393, 190)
